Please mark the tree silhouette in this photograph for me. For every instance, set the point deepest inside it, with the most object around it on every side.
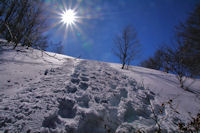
(126, 45)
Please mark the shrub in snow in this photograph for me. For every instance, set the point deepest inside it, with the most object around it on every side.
(192, 126)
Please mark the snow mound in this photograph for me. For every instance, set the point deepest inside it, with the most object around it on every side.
(81, 96)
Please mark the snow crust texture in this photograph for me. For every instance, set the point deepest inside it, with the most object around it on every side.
(81, 96)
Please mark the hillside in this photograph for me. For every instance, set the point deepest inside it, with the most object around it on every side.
(58, 93)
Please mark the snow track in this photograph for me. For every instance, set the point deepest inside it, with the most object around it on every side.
(82, 96)
(91, 98)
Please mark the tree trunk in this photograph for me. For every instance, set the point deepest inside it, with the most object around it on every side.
(181, 82)
(123, 65)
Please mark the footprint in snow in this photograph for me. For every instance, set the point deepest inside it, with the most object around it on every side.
(84, 78)
(75, 75)
(83, 101)
(71, 89)
(83, 86)
(75, 81)
(66, 108)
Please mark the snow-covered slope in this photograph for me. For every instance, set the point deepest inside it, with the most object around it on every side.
(64, 94)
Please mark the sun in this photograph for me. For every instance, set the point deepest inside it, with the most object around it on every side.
(68, 20)
(69, 17)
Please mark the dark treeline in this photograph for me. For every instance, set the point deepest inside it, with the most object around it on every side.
(182, 57)
(23, 21)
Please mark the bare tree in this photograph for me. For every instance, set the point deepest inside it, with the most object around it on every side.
(188, 34)
(150, 63)
(58, 47)
(23, 21)
(126, 45)
(177, 66)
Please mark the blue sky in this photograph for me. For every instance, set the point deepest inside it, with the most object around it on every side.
(154, 20)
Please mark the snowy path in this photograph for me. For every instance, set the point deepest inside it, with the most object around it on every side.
(41, 94)
(81, 96)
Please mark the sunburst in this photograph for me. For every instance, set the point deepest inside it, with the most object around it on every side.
(69, 17)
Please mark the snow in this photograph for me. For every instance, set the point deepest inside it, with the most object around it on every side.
(40, 93)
